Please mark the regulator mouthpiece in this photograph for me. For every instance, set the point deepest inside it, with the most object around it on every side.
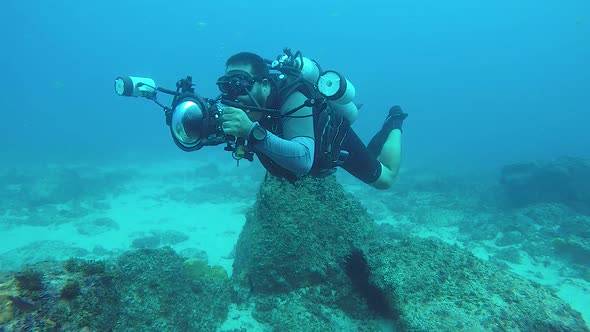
(131, 86)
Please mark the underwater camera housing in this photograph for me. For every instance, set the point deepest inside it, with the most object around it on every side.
(194, 121)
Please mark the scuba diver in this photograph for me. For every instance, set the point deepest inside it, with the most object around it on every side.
(296, 119)
(287, 146)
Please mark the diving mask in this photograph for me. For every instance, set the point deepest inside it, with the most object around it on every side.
(236, 83)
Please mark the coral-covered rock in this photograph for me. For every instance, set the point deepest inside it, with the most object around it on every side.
(156, 238)
(8, 288)
(145, 289)
(564, 180)
(158, 289)
(433, 286)
(297, 234)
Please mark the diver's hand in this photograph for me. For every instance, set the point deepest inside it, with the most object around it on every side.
(235, 122)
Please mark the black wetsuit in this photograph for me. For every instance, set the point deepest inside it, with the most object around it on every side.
(355, 157)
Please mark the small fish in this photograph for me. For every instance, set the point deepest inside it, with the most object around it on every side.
(201, 26)
(22, 304)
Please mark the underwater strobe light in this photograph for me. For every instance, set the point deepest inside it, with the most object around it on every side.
(132, 86)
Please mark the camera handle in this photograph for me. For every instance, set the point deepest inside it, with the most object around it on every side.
(236, 145)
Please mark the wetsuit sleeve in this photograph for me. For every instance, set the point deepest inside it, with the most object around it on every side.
(296, 154)
(295, 149)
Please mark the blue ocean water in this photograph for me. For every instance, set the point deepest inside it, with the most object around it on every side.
(483, 83)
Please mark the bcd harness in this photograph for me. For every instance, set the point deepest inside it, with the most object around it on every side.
(330, 128)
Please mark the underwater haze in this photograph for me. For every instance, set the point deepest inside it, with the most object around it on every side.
(106, 225)
(484, 83)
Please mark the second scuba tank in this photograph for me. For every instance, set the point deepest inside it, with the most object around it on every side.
(332, 85)
(340, 92)
(309, 69)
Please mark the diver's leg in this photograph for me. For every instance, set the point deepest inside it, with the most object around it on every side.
(378, 163)
(386, 146)
(360, 163)
(390, 159)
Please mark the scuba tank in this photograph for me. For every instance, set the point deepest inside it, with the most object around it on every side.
(340, 92)
(332, 85)
(310, 70)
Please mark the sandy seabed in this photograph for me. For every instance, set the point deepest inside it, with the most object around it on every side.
(94, 212)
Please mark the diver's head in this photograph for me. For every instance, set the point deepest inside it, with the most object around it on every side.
(246, 79)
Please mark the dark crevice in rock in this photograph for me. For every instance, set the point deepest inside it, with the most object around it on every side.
(358, 271)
